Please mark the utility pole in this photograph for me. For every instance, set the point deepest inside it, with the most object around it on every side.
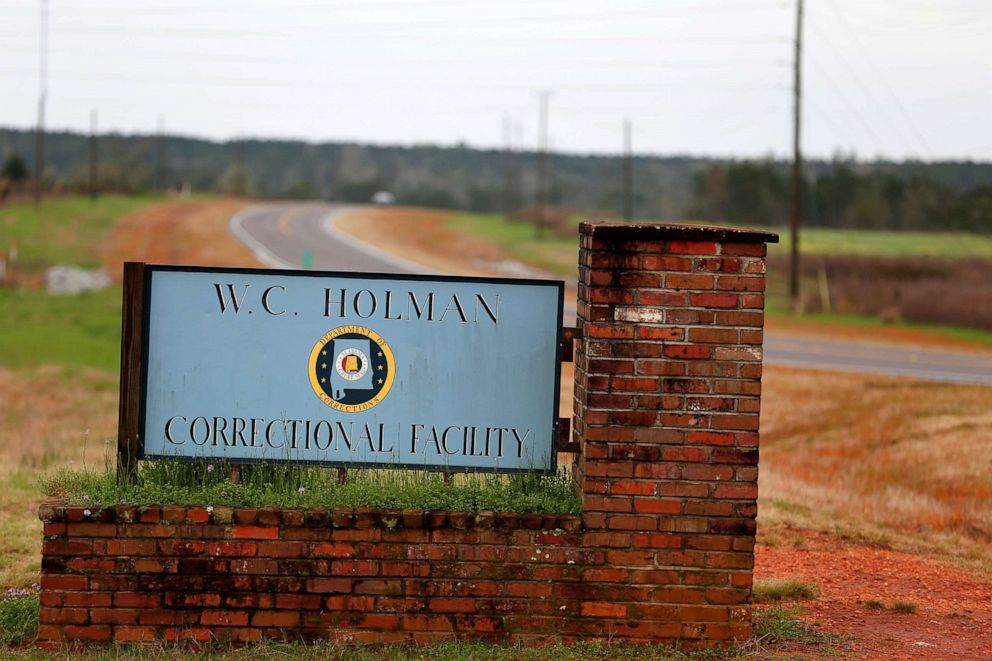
(240, 183)
(628, 174)
(795, 205)
(542, 165)
(39, 148)
(94, 155)
(507, 166)
(159, 155)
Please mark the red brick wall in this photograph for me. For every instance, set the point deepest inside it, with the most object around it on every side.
(666, 413)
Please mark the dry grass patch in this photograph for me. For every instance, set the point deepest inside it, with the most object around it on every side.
(868, 456)
(783, 589)
(50, 416)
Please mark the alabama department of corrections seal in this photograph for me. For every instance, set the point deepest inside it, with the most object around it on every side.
(351, 368)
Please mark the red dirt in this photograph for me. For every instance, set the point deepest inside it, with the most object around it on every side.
(954, 605)
(177, 232)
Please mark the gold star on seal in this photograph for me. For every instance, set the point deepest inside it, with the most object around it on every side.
(323, 366)
(380, 367)
(323, 353)
(380, 381)
(323, 380)
(380, 354)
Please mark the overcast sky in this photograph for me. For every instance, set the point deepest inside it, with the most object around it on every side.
(892, 78)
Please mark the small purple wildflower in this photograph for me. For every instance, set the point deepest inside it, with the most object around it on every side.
(210, 509)
(87, 512)
(301, 489)
(210, 468)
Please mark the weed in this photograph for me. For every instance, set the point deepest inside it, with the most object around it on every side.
(18, 618)
(777, 624)
(784, 589)
(906, 607)
(873, 604)
(208, 483)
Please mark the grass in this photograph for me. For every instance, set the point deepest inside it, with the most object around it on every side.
(784, 589)
(886, 243)
(448, 651)
(905, 607)
(74, 331)
(208, 484)
(778, 624)
(553, 253)
(841, 453)
(18, 617)
(65, 230)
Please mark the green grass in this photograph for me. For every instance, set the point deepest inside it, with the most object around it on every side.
(18, 618)
(74, 331)
(779, 589)
(885, 243)
(775, 307)
(208, 484)
(552, 253)
(65, 230)
(777, 624)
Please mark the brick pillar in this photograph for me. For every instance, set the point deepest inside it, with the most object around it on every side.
(667, 395)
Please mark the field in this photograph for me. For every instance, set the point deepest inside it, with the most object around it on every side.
(65, 230)
(885, 477)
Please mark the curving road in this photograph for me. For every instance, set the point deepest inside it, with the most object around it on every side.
(293, 235)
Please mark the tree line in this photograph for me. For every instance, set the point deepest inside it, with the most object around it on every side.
(840, 192)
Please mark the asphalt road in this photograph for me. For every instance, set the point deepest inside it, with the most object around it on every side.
(281, 235)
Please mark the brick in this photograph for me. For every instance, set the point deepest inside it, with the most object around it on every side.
(275, 619)
(687, 281)
(603, 609)
(254, 532)
(714, 300)
(97, 632)
(687, 352)
(135, 634)
(215, 618)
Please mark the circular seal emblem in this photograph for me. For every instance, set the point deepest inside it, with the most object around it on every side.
(351, 368)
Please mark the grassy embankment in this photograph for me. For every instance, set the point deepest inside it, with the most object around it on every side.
(558, 255)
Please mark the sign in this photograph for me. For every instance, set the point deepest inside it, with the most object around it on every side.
(344, 369)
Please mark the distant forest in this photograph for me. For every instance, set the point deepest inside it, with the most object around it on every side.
(837, 193)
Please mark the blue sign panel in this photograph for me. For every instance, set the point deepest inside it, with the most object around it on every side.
(346, 369)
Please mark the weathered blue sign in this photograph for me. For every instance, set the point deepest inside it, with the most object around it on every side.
(350, 369)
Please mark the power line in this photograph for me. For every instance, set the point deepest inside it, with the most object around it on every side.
(852, 71)
(850, 32)
(851, 106)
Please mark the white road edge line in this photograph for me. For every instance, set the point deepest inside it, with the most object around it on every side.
(328, 225)
(261, 252)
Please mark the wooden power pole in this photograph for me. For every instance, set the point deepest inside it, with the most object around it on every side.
(795, 202)
(628, 173)
(94, 156)
(39, 146)
(542, 166)
(507, 166)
